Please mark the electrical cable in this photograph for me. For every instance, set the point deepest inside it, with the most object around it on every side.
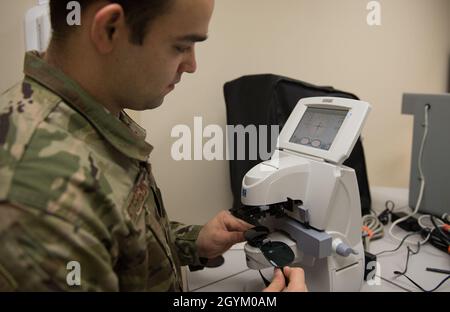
(435, 235)
(372, 223)
(422, 181)
(410, 252)
(403, 273)
(265, 280)
(430, 227)
(424, 290)
(399, 246)
(439, 231)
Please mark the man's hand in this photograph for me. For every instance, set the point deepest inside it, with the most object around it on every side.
(295, 276)
(219, 234)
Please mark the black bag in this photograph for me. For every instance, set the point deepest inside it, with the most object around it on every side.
(269, 100)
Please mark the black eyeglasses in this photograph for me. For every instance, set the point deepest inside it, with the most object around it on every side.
(278, 254)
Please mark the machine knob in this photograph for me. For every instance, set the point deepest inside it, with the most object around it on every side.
(342, 248)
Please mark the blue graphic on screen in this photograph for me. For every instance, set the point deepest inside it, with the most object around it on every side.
(319, 127)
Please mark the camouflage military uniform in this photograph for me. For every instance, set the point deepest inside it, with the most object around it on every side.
(76, 185)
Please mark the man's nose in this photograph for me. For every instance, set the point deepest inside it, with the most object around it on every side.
(189, 65)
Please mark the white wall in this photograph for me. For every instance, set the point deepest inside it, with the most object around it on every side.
(12, 40)
(323, 42)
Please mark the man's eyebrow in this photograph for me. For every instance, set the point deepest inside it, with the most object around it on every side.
(192, 38)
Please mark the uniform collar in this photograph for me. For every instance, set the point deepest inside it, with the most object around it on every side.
(123, 133)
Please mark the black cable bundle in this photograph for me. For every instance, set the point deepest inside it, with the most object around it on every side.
(438, 237)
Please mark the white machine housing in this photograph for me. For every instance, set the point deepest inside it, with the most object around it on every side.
(325, 231)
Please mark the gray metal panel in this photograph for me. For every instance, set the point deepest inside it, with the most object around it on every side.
(436, 154)
(311, 242)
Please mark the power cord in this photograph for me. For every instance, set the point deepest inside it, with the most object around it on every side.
(424, 290)
(385, 216)
(410, 252)
(444, 236)
(427, 233)
(439, 231)
(403, 273)
(265, 280)
(422, 181)
(399, 246)
(373, 227)
(430, 226)
(373, 224)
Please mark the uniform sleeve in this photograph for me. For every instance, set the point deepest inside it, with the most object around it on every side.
(185, 237)
(43, 252)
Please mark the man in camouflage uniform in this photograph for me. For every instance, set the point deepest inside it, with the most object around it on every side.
(75, 181)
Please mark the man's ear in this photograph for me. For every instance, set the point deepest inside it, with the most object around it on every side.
(107, 26)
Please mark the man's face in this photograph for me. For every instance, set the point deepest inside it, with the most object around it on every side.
(145, 74)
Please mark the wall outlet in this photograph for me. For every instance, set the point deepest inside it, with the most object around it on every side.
(37, 27)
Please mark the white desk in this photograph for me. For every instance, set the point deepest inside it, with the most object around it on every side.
(234, 276)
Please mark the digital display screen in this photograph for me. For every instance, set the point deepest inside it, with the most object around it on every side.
(319, 127)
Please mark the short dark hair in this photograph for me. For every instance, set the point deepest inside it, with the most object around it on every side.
(139, 15)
